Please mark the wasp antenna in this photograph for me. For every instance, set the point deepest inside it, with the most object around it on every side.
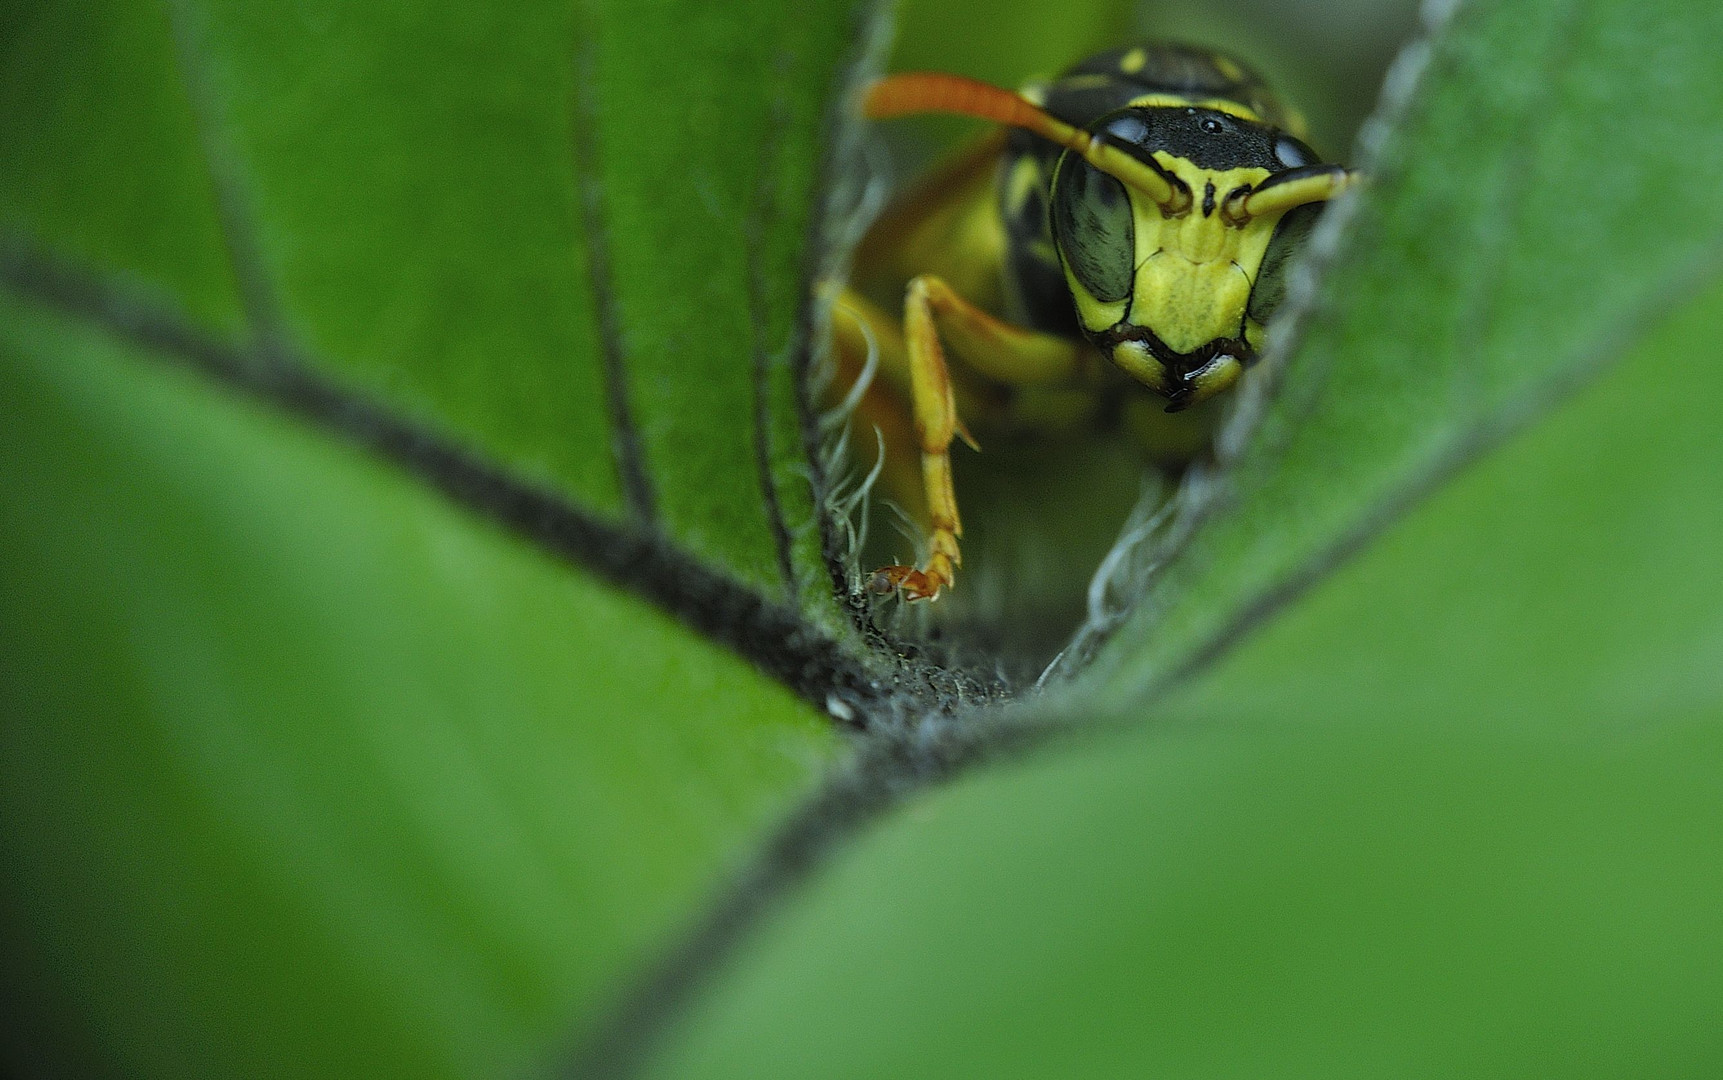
(1167, 191)
(915, 92)
(1297, 187)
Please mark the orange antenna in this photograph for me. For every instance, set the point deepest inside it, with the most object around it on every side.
(931, 92)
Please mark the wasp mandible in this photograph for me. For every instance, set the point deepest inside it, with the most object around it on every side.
(1110, 254)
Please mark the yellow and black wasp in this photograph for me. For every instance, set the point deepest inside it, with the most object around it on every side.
(1110, 255)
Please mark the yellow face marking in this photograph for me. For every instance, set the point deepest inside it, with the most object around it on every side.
(1195, 272)
(1135, 360)
(1220, 373)
(1191, 283)
(1256, 334)
(1133, 61)
(1095, 315)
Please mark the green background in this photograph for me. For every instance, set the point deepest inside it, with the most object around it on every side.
(1406, 764)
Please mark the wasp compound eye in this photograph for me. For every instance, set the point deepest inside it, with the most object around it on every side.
(1093, 228)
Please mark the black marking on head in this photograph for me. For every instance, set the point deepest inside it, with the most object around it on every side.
(1207, 138)
(1208, 199)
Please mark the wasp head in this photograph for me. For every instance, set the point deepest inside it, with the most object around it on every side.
(1163, 224)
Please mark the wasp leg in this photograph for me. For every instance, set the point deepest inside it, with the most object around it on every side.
(992, 347)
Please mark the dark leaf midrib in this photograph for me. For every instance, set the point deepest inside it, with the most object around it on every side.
(272, 366)
(767, 632)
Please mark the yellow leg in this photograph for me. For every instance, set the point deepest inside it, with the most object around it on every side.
(1002, 351)
(990, 346)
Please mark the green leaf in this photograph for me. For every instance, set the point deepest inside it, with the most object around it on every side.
(1454, 815)
(98, 131)
(1549, 195)
(306, 771)
(472, 215)
(305, 768)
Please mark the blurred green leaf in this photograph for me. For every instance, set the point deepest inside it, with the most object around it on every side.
(102, 157)
(1454, 815)
(305, 771)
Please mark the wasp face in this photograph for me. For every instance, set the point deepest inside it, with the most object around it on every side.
(1165, 289)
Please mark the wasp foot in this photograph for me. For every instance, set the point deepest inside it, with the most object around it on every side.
(914, 584)
(906, 581)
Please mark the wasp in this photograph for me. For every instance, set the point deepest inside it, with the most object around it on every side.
(1109, 253)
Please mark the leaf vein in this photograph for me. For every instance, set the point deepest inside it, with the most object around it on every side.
(764, 213)
(625, 439)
